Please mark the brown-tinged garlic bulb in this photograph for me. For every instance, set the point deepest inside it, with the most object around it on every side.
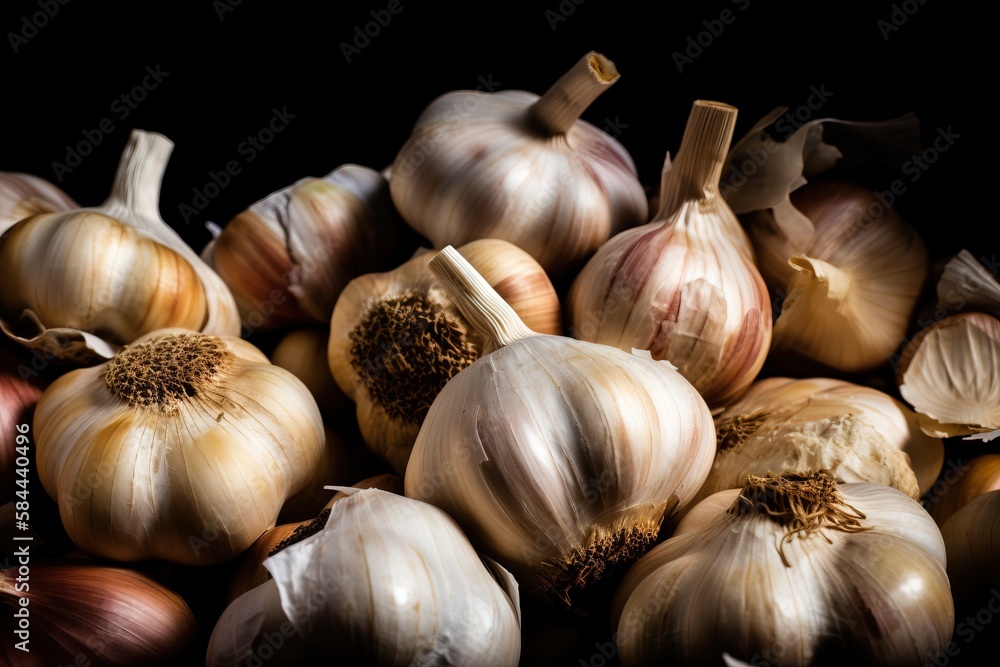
(558, 456)
(520, 167)
(24, 195)
(388, 581)
(183, 447)
(858, 433)
(250, 571)
(791, 565)
(397, 337)
(962, 483)
(851, 272)
(972, 537)
(80, 284)
(303, 352)
(288, 256)
(684, 286)
(85, 613)
(950, 373)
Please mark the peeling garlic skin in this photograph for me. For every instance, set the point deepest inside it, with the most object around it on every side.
(211, 438)
(24, 195)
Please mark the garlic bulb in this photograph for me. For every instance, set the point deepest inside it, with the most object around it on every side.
(972, 536)
(851, 271)
(859, 433)
(685, 285)
(388, 581)
(520, 167)
(183, 447)
(950, 374)
(302, 351)
(397, 337)
(250, 571)
(558, 456)
(84, 613)
(18, 396)
(80, 284)
(24, 195)
(332, 469)
(288, 256)
(797, 570)
(962, 483)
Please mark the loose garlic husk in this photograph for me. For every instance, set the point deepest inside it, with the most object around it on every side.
(183, 447)
(288, 256)
(80, 284)
(685, 285)
(24, 195)
(859, 433)
(851, 272)
(560, 457)
(85, 613)
(950, 374)
(797, 570)
(397, 337)
(388, 581)
(519, 167)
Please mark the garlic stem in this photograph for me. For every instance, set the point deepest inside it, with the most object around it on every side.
(567, 99)
(136, 189)
(485, 310)
(695, 174)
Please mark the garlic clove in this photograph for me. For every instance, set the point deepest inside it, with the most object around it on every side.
(288, 256)
(950, 374)
(24, 195)
(84, 611)
(106, 294)
(966, 285)
(212, 438)
(397, 337)
(520, 167)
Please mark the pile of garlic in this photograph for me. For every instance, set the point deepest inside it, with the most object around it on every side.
(488, 403)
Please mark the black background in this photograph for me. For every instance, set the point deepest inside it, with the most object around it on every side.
(230, 65)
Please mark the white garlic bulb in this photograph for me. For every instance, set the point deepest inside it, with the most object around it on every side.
(685, 285)
(79, 284)
(558, 456)
(183, 447)
(389, 581)
(24, 195)
(520, 167)
(797, 570)
(859, 433)
(288, 256)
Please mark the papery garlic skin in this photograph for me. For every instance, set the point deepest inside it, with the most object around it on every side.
(684, 286)
(396, 337)
(878, 594)
(950, 374)
(287, 257)
(389, 581)
(560, 457)
(521, 167)
(851, 272)
(794, 425)
(25, 195)
(79, 284)
(183, 448)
